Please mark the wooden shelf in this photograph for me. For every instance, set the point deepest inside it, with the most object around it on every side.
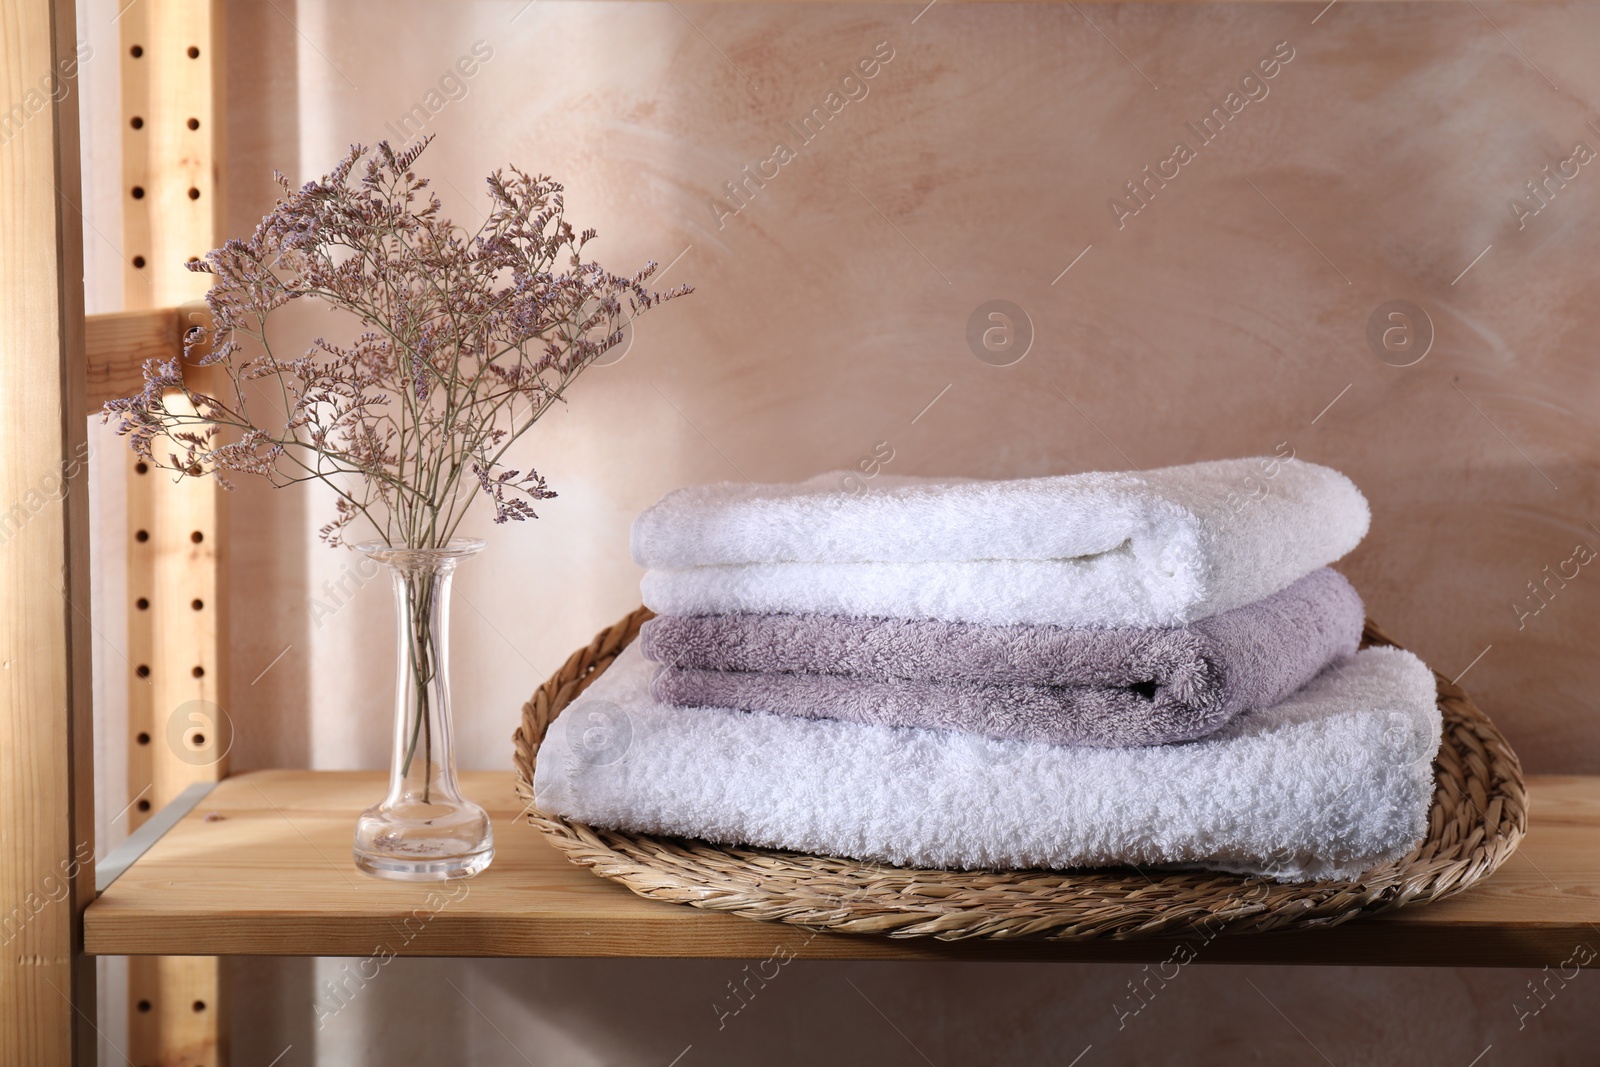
(262, 867)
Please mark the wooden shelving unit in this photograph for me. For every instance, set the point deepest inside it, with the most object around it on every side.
(262, 867)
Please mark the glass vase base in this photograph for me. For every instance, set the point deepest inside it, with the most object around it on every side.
(423, 868)
(413, 841)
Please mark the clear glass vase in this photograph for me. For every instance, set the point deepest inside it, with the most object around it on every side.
(424, 830)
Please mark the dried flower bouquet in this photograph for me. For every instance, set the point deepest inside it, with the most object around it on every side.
(466, 338)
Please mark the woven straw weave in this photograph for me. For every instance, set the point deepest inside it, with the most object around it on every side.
(1479, 815)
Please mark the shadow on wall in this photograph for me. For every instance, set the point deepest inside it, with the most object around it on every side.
(676, 1013)
(268, 566)
(271, 623)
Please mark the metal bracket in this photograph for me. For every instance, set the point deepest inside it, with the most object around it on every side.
(136, 844)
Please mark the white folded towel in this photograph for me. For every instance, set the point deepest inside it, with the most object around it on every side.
(1329, 783)
(1166, 547)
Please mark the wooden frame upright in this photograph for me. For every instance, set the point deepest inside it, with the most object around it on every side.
(47, 984)
(178, 729)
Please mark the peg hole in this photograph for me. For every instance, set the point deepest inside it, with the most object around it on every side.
(142, 670)
(138, 262)
(197, 603)
(142, 536)
(144, 738)
(194, 53)
(197, 537)
(136, 51)
(193, 124)
(198, 672)
(143, 603)
(136, 122)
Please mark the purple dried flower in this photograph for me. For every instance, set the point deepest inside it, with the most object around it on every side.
(405, 421)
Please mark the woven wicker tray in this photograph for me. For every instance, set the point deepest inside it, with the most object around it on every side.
(1479, 815)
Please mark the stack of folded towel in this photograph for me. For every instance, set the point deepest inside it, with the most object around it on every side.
(1072, 671)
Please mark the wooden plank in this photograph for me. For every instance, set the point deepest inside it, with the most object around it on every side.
(177, 727)
(172, 195)
(263, 867)
(118, 343)
(47, 987)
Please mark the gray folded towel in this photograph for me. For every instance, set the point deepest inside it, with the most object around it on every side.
(1058, 685)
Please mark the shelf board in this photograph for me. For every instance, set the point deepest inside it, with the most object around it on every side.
(262, 867)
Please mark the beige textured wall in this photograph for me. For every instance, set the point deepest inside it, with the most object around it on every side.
(1224, 318)
(1220, 320)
